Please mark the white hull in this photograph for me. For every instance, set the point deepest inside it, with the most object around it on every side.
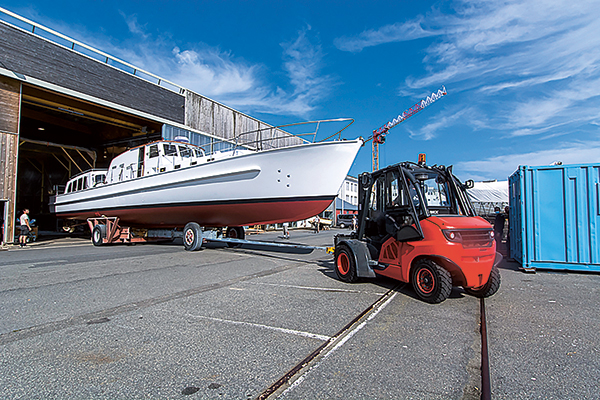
(271, 186)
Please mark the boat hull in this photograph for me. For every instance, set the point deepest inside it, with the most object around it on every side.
(272, 186)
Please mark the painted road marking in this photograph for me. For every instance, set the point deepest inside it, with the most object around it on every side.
(273, 328)
(317, 288)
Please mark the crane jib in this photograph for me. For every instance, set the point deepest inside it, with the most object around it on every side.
(380, 134)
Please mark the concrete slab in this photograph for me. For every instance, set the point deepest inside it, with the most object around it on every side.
(411, 350)
(544, 340)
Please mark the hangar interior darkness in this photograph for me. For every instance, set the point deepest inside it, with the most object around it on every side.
(61, 137)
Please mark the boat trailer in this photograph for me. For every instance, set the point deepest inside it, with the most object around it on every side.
(106, 230)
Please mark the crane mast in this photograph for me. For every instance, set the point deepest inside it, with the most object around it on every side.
(379, 134)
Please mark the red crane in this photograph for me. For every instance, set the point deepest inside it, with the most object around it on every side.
(379, 134)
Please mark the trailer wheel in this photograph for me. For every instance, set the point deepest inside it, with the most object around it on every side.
(431, 282)
(235, 232)
(192, 236)
(98, 234)
(345, 266)
(491, 286)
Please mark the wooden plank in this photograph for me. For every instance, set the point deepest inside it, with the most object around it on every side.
(10, 99)
(9, 104)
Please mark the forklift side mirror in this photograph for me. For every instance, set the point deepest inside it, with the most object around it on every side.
(408, 233)
(469, 184)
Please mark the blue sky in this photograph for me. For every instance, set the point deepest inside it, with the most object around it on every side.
(523, 77)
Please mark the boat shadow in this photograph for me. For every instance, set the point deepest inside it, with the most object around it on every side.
(272, 247)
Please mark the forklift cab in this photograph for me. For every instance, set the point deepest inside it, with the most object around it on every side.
(416, 224)
(394, 200)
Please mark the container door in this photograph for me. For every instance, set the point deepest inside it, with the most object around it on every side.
(551, 223)
(593, 200)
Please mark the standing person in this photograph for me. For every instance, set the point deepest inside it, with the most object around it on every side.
(286, 232)
(25, 228)
(317, 223)
(354, 221)
(498, 227)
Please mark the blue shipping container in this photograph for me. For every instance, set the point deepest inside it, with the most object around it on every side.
(554, 217)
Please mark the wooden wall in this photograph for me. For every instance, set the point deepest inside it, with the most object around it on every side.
(208, 116)
(30, 55)
(10, 100)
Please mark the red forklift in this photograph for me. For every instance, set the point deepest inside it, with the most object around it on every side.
(416, 224)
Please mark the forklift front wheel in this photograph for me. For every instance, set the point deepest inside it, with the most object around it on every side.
(431, 282)
(345, 266)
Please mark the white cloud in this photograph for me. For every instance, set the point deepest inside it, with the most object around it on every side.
(533, 66)
(502, 166)
(134, 26)
(398, 32)
(302, 62)
(219, 74)
(212, 73)
(432, 129)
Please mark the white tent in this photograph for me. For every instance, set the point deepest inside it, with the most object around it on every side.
(487, 195)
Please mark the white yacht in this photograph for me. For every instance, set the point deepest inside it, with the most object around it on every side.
(166, 184)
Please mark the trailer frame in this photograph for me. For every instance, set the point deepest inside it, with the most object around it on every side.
(107, 230)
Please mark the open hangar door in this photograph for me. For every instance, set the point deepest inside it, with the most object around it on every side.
(61, 137)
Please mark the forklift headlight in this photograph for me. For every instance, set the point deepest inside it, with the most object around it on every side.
(453, 236)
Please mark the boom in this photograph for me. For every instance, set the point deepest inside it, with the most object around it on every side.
(379, 134)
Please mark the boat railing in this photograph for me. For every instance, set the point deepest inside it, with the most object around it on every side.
(273, 137)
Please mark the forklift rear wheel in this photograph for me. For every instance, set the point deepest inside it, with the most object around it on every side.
(235, 232)
(491, 287)
(98, 234)
(431, 282)
(192, 236)
(345, 267)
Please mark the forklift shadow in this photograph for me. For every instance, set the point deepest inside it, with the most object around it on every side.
(327, 269)
(510, 265)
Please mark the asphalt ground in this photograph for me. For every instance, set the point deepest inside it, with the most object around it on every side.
(157, 322)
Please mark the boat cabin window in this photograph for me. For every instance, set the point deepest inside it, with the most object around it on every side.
(98, 179)
(153, 151)
(185, 152)
(198, 153)
(170, 149)
(69, 186)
